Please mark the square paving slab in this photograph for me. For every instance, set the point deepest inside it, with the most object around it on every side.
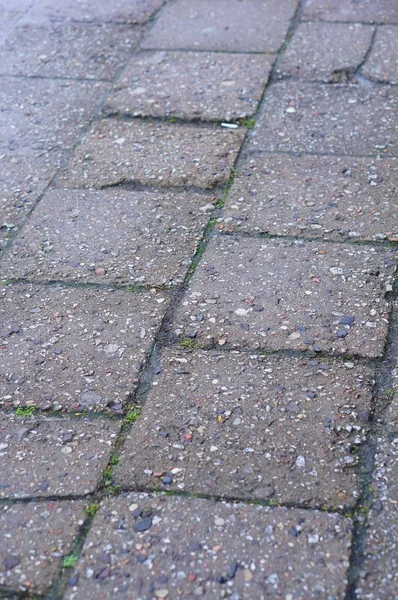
(34, 538)
(217, 550)
(191, 85)
(379, 579)
(53, 457)
(117, 11)
(74, 348)
(231, 25)
(344, 119)
(325, 51)
(110, 236)
(243, 426)
(145, 152)
(68, 50)
(45, 114)
(382, 63)
(317, 196)
(277, 294)
(382, 11)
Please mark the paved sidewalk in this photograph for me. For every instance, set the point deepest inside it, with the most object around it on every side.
(198, 315)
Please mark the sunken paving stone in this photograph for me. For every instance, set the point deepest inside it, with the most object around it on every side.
(53, 457)
(382, 63)
(191, 85)
(74, 348)
(35, 537)
(277, 294)
(317, 196)
(45, 114)
(229, 25)
(115, 152)
(68, 50)
(216, 550)
(117, 11)
(242, 426)
(379, 575)
(132, 236)
(346, 119)
(325, 51)
(382, 11)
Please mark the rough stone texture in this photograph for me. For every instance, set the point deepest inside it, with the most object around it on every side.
(151, 152)
(191, 85)
(74, 348)
(251, 427)
(10, 12)
(278, 294)
(379, 579)
(53, 457)
(45, 114)
(135, 236)
(23, 177)
(217, 550)
(347, 119)
(382, 63)
(68, 50)
(382, 11)
(117, 11)
(34, 539)
(325, 51)
(237, 25)
(318, 196)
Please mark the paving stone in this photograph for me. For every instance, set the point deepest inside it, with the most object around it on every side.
(74, 348)
(53, 457)
(23, 177)
(257, 427)
(133, 236)
(10, 12)
(45, 114)
(146, 152)
(277, 294)
(34, 537)
(379, 578)
(215, 549)
(68, 50)
(318, 196)
(191, 85)
(382, 63)
(117, 11)
(325, 51)
(237, 25)
(345, 119)
(351, 10)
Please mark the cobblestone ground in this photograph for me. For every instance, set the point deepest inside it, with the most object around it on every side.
(198, 343)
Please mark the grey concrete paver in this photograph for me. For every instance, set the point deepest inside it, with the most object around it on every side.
(230, 25)
(325, 51)
(191, 85)
(68, 50)
(74, 348)
(45, 114)
(35, 537)
(276, 294)
(152, 153)
(217, 550)
(117, 11)
(242, 426)
(345, 119)
(316, 196)
(134, 236)
(383, 11)
(379, 577)
(53, 457)
(382, 63)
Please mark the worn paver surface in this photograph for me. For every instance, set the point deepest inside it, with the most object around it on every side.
(198, 312)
